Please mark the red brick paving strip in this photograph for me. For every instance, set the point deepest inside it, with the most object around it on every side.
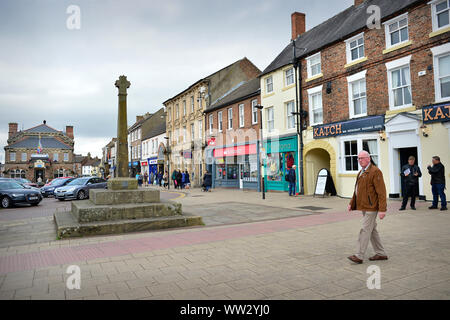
(66, 255)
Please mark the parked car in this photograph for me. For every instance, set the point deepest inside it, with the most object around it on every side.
(12, 193)
(26, 182)
(49, 190)
(79, 188)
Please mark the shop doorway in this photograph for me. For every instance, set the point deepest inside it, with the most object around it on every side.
(241, 176)
(316, 160)
(404, 154)
(39, 173)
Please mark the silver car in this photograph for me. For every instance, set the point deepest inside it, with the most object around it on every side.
(79, 188)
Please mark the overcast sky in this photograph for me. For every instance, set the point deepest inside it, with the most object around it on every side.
(66, 77)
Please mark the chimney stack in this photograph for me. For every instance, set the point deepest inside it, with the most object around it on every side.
(69, 132)
(298, 21)
(139, 118)
(358, 2)
(12, 129)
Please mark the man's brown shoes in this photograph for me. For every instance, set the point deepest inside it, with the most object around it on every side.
(355, 259)
(378, 257)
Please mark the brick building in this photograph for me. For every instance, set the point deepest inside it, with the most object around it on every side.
(54, 159)
(185, 117)
(232, 132)
(385, 90)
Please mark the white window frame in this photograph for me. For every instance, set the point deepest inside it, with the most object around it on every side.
(434, 14)
(393, 66)
(286, 77)
(192, 103)
(349, 50)
(311, 92)
(359, 139)
(438, 52)
(184, 108)
(388, 33)
(254, 111)
(211, 123)
(219, 121)
(230, 119)
(289, 113)
(269, 111)
(241, 115)
(267, 83)
(351, 80)
(309, 66)
(200, 129)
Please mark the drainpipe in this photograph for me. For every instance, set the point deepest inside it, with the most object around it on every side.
(299, 113)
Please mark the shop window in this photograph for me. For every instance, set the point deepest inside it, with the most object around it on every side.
(232, 171)
(351, 155)
(371, 146)
(278, 165)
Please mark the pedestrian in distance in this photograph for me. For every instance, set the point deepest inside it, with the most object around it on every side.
(410, 174)
(139, 179)
(187, 180)
(179, 178)
(183, 180)
(207, 181)
(292, 179)
(369, 197)
(174, 178)
(145, 178)
(437, 172)
(166, 179)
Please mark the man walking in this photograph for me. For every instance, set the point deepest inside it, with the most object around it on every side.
(437, 172)
(370, 198)
(292, 178)
(411, 174)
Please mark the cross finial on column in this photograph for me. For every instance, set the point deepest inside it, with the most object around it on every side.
(123, 84)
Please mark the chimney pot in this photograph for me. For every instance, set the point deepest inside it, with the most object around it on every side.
(298, 22)
(358, 2)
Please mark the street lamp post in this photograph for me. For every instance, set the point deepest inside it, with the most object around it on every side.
(168, 163)
(261, 146)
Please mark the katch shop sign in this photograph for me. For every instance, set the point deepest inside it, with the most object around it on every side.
(436, 113)
(368, 124)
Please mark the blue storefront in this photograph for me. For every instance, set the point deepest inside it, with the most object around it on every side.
(281, 155)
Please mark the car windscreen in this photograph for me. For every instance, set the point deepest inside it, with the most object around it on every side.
(78, 182)
(8, 185)
(56, 182)
(20, 180)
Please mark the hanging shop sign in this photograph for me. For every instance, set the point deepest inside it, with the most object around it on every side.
(212, 142)
(235, 151)
(187, 154)
(39, 164)
(153, 161)
(436, 113)
(375, 123)
(144, 163)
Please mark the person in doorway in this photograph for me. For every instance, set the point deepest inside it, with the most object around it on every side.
(145, 179)
(370, 198)
(292, 179)
(411, 174)
(207, 181)
(437, 172)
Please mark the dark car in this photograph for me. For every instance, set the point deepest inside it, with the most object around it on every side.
(26, 182)
(49, 190)
(79, 188)
(12, 193)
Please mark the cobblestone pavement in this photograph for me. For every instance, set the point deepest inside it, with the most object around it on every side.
(299, 257)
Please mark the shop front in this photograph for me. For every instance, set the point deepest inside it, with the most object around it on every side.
(236, 167)
(152, 166)
(281, 155)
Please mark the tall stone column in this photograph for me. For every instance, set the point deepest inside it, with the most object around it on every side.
(122, 128)
(122, 180)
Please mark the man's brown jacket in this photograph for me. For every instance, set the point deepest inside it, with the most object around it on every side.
(370, 191)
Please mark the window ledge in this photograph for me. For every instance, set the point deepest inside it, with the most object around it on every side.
(289, 87)
(439, 32)
(397, 47)
(269, 95)
(400, 110)
(320, 75)
(351, 64)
